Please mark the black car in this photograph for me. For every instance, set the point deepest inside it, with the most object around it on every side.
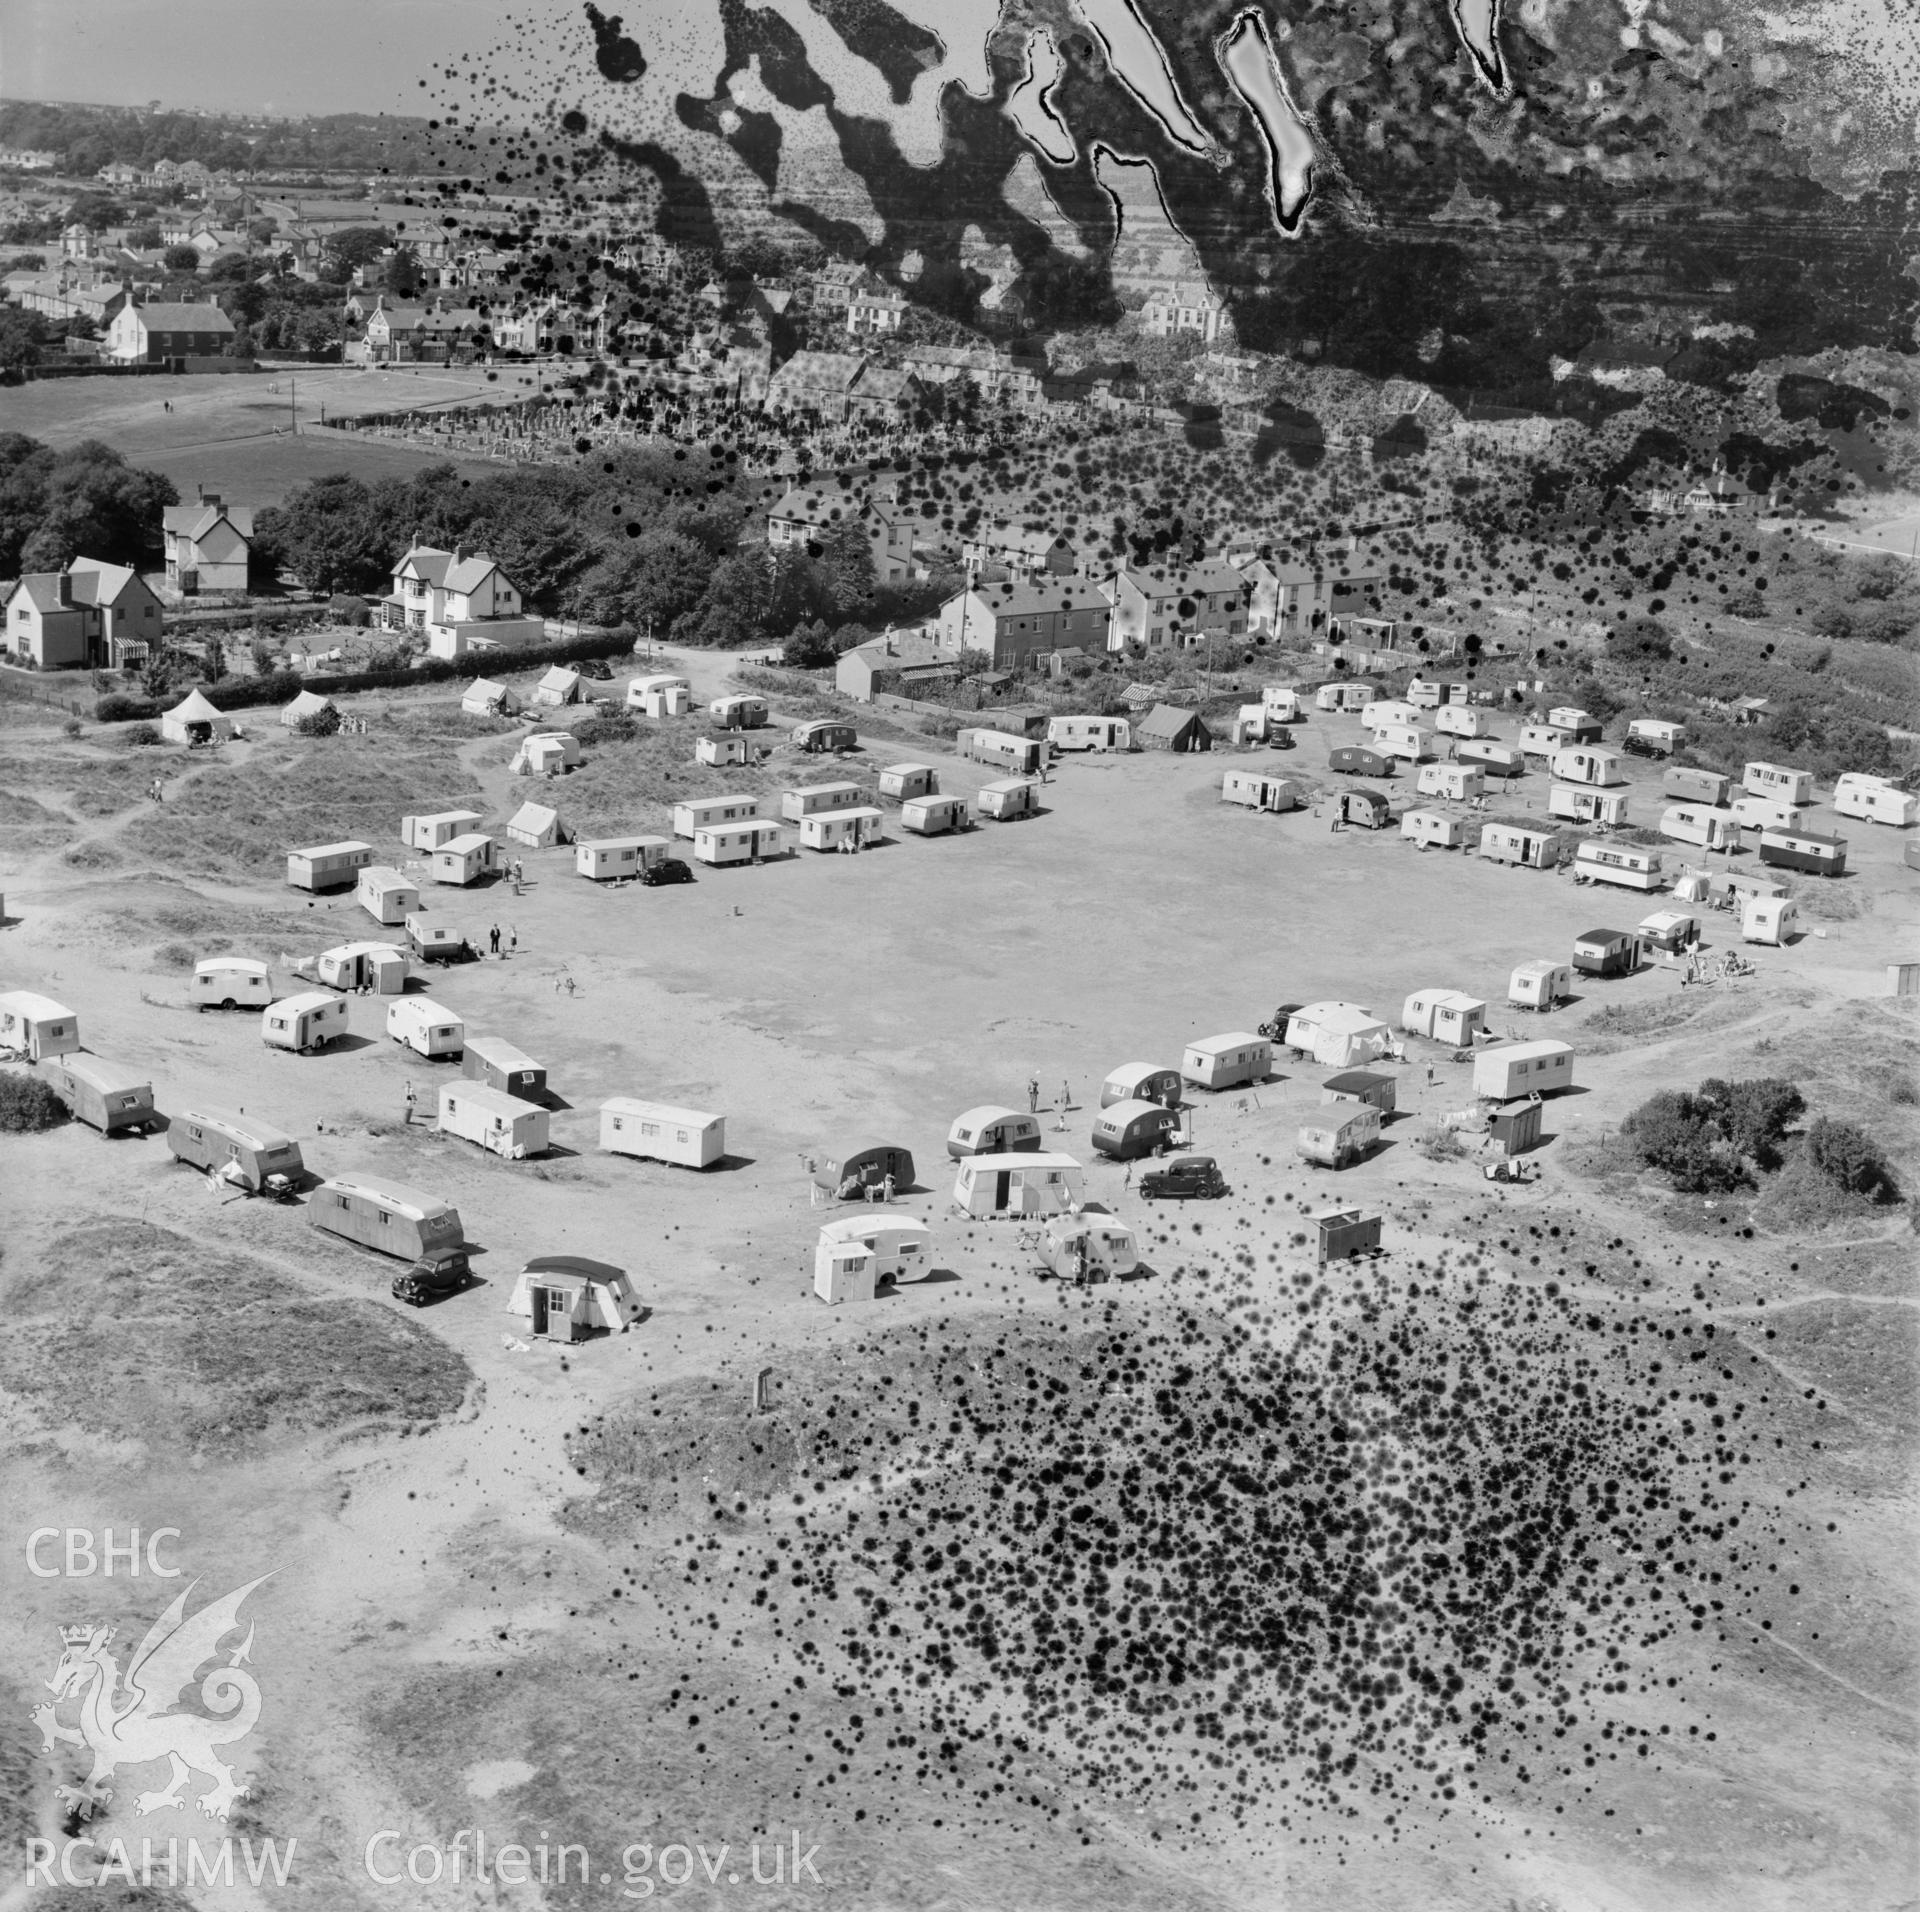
(433, 1277)
(1279, 739)
(668, 870)
(1184, 1176)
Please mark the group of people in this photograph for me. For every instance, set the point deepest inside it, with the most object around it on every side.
(493, 940)
(1033, 1096)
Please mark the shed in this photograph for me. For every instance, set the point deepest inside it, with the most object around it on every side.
(1515, 1127)
(101, 1093)
(1338, 1035)
(193, 720)
(1227, 1061)
(1033, 1182)
(721, 753)
(662, 1133)
(601, 858)
(309, 703)
(37, 1026)
(1361, 1085)
(463, 859)
(497, 1063)
(499, 1122)
(904, 781)
(992, 1130)
(429, 832)
(485, 697)
(535, 827)
(1342, 1133)
(386, 894)
(1510, 1069)
(1168, 727)
(1142, 1082)
(561, 685)
(864, 1165)
(1433, 829)
(328, 866)
(1346, 1232)
(1444, 1014)
(567, 1297)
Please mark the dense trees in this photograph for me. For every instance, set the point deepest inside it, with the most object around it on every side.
(83, 502)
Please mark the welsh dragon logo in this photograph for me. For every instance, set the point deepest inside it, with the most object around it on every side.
(132, 1720)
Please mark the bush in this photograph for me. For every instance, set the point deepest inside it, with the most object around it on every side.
(1675, 1132)
(140, 736)
(116, 707)
(1849, 1158)
(27, 1104)
(322, 723)
(1753, 1116)
(606, 727)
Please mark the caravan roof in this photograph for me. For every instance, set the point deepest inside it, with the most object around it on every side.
(410, 1202)
(243, 1128)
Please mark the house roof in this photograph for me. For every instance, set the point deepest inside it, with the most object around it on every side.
(558, 677)
(468, 574)
(1018, 598)
(820, 368)
(182, 318)
(533, 817)
(196, 520)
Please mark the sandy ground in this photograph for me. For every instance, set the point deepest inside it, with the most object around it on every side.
(822, 997)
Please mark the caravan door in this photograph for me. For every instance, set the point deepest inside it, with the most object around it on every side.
(1002, 1188)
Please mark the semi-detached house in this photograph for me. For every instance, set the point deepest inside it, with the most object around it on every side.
(1176, 608)
(1013, 621)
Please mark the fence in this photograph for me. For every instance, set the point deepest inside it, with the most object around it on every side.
(18, 687)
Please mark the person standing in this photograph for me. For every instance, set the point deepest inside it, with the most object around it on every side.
(1033, 1095)
(493, 940)
(410, 1102)
(513, 939)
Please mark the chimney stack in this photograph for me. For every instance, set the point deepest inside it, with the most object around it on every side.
(63, 590)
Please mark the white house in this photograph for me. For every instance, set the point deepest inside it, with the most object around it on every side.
(458, 603)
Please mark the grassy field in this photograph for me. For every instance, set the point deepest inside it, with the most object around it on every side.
(209, 1352)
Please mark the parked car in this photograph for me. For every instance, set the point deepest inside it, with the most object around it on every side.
(433, 1277)
(1185, 1176)
(1279, 739)
(669, 869)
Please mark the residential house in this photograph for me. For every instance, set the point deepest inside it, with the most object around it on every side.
(834, 285)
(1186, 312)
(804, 517)
(89, 615)
(1177, 607)
(1021, 551)
(1013, 621)
(817, 382)
(874, 310)
(120, 174)
(24, 159)
(209, 544)
(458, 603)
(167, 334)
(405, 333)
(914, 658)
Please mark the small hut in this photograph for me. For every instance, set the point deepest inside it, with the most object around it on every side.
(535, 827)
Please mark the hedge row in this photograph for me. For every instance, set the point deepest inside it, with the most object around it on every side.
(282, 687)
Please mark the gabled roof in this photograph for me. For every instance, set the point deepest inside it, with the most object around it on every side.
(181, 318)
(468, 574)
(196, 520)
(97, 582)
(1018, 598)
(821, 368)
(426, 562)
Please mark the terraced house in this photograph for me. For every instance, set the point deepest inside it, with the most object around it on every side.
(1012, 621)
(1177, 607)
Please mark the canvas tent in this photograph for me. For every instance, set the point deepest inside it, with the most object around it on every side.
(193, 718)
(535, 827)
(1168, 727)
(561, 685)
(566, 1297)
(486, 698)
(308, 704)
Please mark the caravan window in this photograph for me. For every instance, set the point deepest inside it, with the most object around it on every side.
(649, 1128)
(385, 1218)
